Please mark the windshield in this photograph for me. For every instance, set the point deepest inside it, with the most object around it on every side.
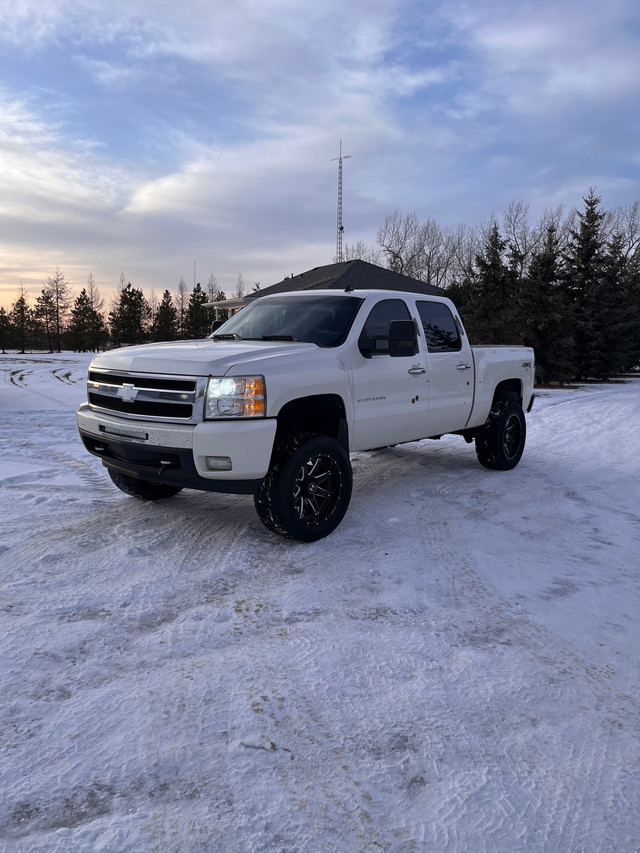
(321, 320)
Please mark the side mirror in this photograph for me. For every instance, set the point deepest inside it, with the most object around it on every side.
(403, 338)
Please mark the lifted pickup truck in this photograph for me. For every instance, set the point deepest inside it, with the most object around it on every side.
(274, 401)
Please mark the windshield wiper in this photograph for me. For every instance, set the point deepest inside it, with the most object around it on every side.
(229, 336)
(277, 338)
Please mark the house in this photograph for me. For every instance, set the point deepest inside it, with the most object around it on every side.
(347, 275)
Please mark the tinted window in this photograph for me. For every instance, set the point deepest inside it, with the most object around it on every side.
(375, 334)
(439, 327)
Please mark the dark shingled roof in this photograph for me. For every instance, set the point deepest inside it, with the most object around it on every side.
(352, 275)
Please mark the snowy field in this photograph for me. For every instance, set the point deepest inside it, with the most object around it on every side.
(454, 669)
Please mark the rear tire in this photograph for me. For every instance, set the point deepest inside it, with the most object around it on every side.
(500, 443)
(307, 490)
(143, 489)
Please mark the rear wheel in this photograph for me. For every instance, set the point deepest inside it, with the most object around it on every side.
(501, 441)
(307, 490)
(143, 489)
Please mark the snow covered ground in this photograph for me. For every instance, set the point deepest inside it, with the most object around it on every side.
(454, 669)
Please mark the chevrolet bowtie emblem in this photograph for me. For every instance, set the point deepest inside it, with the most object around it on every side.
(128, 392)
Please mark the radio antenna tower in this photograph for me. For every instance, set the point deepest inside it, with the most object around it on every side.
(340, 228)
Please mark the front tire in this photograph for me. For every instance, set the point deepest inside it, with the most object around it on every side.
(307, 490)
(500, 443)
(143, 489)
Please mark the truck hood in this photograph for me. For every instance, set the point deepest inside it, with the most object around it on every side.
(197, 358)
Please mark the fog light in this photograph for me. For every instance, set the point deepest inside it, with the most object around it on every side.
(218, 463)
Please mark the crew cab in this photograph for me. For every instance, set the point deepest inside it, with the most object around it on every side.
(275, 400)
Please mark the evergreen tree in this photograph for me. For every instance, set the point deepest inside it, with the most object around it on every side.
(584, 272)
(615, 323)
(197, 317)
(129, 317)
(165, 323)
(45, 314)
(87, 330)
(4, 330)
(544, 314)
(22, 323)
(490, 294)
(632, 291)
(98, 327)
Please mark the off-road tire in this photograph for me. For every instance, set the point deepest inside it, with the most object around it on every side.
(307, 490)
(500, 443)
(143, 489)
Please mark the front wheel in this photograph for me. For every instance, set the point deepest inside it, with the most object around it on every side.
(500, 442)
(143, 489)
(307, 490)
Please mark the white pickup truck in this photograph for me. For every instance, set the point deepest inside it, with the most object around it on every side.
(273, 402)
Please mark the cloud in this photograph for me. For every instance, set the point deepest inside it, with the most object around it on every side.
(144, 136)
(44, 174)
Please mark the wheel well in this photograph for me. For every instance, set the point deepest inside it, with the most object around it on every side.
(509, 390)
(323, 414)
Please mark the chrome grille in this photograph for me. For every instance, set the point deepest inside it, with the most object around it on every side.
(138, 395)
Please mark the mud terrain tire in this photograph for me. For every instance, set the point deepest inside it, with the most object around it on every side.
(307, 490)
(501, 441)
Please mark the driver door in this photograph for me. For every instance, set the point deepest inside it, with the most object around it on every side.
(390, 392)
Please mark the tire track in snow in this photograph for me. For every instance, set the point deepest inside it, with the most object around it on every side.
(485, 630)
(278, 734)
(486, 639)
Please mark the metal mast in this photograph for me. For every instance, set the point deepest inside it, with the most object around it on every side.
(340, 228)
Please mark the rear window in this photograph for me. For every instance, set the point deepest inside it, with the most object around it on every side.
(439, 327)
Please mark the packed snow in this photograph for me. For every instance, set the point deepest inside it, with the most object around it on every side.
(454, 669)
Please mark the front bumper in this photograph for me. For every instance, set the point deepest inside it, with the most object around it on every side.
(182, 455)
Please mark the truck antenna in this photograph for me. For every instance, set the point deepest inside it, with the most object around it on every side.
(340, 228)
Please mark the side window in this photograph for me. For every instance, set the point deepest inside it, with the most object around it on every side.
(439, 326)
(374, 338)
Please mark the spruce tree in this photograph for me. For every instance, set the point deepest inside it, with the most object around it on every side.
(4, 330)
(165, 323)
(129, 317)
(197, 318)
(21, 323)
(86, 330)
(45, 314)
(618, 313)
(582, 282)
(545, 315)
(491, 292)
(631, 288)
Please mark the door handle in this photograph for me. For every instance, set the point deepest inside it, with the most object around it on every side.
(416, 370)
(463, 367)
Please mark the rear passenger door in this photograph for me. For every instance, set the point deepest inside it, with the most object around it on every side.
(451, 371)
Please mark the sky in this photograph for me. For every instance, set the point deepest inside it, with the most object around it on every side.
(155, 140)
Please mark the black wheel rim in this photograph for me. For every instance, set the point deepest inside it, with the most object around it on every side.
(512, 437)
(317, 489)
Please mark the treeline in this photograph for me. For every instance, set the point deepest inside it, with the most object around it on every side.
(59, 322)
(568, 286)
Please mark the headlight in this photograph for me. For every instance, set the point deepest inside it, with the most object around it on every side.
(235, 397)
